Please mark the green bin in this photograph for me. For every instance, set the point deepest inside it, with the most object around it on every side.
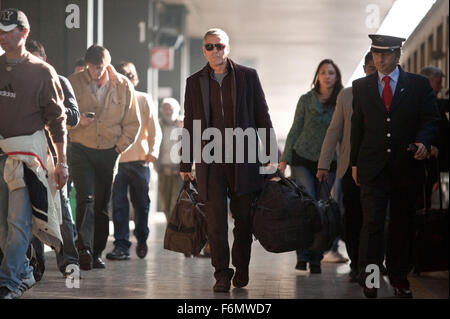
(72, 201)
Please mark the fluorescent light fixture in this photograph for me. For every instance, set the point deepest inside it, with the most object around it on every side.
(400, 21)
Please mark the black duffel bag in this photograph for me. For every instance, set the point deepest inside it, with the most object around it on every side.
(186, 230)
(285, 217)
(330, 219)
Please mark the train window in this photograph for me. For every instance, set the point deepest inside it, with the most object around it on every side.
(409, 64)
(446, 56)
(430, 50)
(448, 31)
(440, 39)
(422, 55)
(415, 69)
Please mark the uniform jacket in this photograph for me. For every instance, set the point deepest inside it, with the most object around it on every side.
(380, 138)
(116, 123)
(250, 110)
(338, 132)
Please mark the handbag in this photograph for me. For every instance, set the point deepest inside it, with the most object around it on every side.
(330, 219)
(285, 217)
(431, 234)
(186, 230)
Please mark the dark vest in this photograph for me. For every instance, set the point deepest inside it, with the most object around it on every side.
(222, 115)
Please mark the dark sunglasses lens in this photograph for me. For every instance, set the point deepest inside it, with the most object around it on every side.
(210, 46)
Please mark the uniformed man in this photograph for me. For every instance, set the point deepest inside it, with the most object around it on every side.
(395, 119)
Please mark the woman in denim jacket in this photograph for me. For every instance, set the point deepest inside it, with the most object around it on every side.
(304, 141)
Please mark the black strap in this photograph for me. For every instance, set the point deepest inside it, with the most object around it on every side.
(327, 188)
(439, 181)
(289, 182)
(425, 209)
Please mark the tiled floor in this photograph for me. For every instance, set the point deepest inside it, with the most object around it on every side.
(168, 275)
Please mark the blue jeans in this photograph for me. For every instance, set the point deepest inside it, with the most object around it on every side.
(15, 229)
(309, 181)
(136, 176)
(69, 254)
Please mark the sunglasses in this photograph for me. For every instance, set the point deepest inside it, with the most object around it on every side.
(210, 46)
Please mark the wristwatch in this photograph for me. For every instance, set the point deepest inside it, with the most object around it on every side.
(62, 164)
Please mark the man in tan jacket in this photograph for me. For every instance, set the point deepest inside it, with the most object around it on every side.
(109, 124)
(134, 173)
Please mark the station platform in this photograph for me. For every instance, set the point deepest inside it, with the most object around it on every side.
(165, 274)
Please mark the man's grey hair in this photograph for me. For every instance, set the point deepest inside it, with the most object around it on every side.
(173, 103)
(431, 72)
(217, 32)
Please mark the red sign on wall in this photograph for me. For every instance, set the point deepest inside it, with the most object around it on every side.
(161, 58)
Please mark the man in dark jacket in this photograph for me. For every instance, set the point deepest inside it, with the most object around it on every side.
(223, 96)
(395, 120)
(69, 254)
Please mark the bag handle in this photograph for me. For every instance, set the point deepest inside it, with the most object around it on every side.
(187, 187)
(290, 183)
(327, 188)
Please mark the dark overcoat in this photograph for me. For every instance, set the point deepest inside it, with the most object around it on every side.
(250, 110)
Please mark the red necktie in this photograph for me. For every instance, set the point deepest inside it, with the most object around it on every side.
(387, 92)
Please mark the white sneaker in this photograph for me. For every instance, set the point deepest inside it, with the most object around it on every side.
(334, 257)
(24, 286)
(27, 283)
(8, 294)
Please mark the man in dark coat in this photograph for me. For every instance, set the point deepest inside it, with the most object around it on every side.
(223, 96)
(69, 254)
(395, 119)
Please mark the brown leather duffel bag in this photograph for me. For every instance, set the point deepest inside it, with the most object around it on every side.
(186, 229)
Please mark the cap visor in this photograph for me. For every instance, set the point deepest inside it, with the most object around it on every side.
(381, 50)
(7, 27)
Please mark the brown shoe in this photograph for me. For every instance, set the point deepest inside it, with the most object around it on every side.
(240, 278)
(141, 250)
(223, 282)
(85, 258)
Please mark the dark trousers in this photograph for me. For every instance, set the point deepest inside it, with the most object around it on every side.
(402, 194)
(219, 181)
(352, 217)
(92, 171)
(69, 254)
(136, 177)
